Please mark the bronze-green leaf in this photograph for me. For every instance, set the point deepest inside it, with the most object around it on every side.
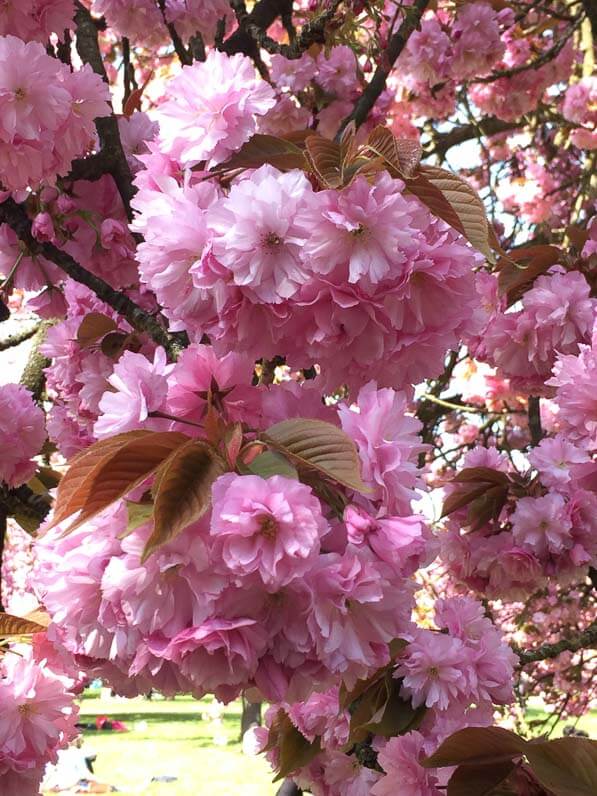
(318, 445)
(477, 746)
(109, 469)
(18, 626)
(452, 199)
(184, 491)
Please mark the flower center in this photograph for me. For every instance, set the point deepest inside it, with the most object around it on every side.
(271, 240)
(20, 93)
(544, 525)
(356, 233)
(27, 709)
(268, 526)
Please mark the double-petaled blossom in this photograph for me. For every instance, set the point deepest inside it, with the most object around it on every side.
(271, 527)
(22, 434)
(211, 109)
(388, 444)
(47, 113)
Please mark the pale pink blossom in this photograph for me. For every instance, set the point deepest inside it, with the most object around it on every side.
(388, 444)
(542, 523)
(404, 774)
(22, 434)
(269, 526)
(211, 109)
(139, 388)
(256, 235)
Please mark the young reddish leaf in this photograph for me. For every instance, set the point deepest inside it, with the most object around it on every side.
(184, 491)
(278, 152)
(133, 102)
(452, 199)
(401, 156)
(521, 267)
(325, 157)
(479, 780)
(565, 766)
(294, 750)
(75, 485)
(114, 344)
(93, 327)
(107, 472)
(233, 441)
(486, 507)
(18, 626)
(318, 445)
(486, 474)
(477, 746)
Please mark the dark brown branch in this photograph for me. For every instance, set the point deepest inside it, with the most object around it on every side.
(23, 501)
(16, 217)
(312, 32)
(590, 7)
(535, 419)
(107, 127)
(584, 640)
(377, 83)
(34, 376)
(184, 56)
(261, 17)
(491, 125)
(16, 339)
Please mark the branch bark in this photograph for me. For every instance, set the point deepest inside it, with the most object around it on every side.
(535, 419)
(114, 160)
(16, 339)
(586, 639)
(377, 83)
(491, 125)
(16, 217)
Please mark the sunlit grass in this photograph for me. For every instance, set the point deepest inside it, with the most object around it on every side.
(174, 738)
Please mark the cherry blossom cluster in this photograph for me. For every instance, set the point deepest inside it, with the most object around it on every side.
(36, 20)
(458, 671)
(258, 592)
(37, 718)
(556, 315)
(22, 434)
(46, 112)
(142, 21)
(359, 280)
(549, 533)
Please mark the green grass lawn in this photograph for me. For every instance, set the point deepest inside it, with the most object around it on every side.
(178, 741)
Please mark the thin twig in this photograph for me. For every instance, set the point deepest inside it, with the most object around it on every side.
(16, 217)
(376, 85)
(586, 639)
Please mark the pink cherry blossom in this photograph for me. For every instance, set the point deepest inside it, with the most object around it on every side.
(256, 236)
(388, 444)
(543, 523)
(22, 434)
(211, 109)
(269, 526)
(139, 388)
(404, 775)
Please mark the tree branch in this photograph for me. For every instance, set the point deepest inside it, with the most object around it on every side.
(261, 17)
(16, 339)
(184, 56)
(107, 128)
(312, 32)
(535, 419)
(491, 125)
(23, 501)
(377, 83)
(588, 638)
(16, 217)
